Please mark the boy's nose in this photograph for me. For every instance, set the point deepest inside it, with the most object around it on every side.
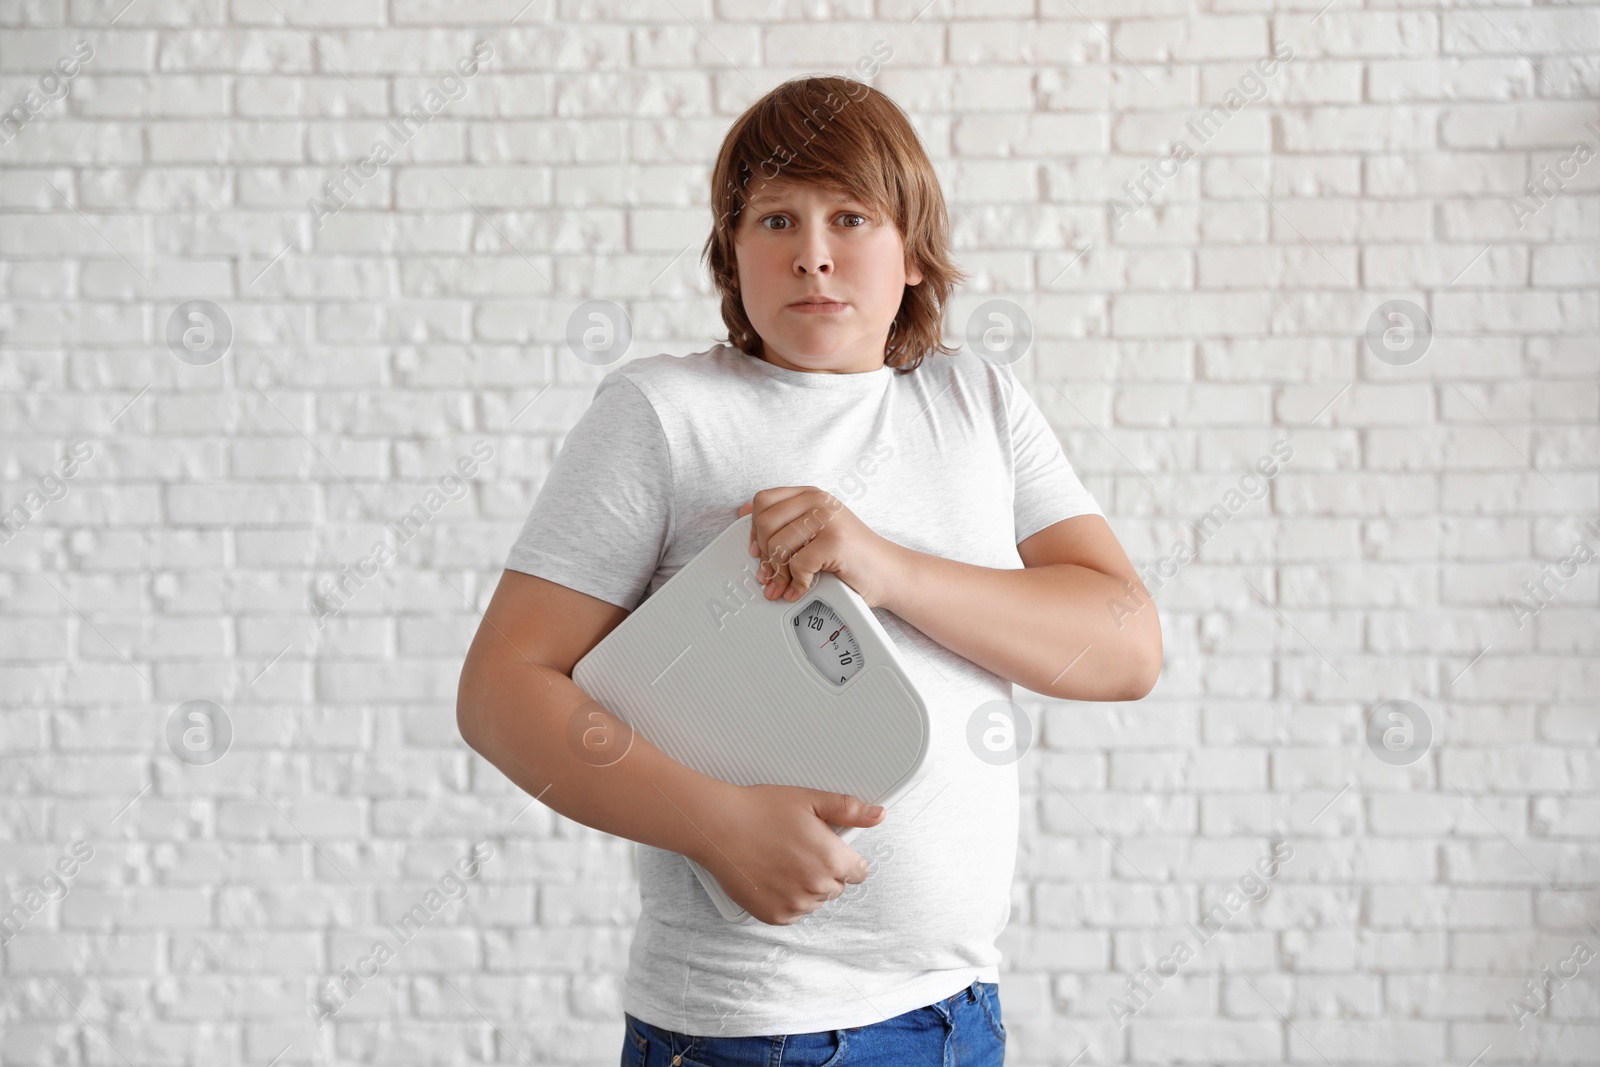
(813, 256)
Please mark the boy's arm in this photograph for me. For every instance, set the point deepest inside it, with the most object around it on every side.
(769, 846)
(516, 706)
(1073, 622)
(1076, 622)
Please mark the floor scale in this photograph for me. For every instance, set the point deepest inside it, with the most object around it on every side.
(754, 691)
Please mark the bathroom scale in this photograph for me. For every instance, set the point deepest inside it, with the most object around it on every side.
(754, 691)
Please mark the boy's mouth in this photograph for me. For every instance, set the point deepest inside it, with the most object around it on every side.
(817, 305)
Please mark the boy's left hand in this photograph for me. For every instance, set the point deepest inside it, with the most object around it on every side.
(798, 530)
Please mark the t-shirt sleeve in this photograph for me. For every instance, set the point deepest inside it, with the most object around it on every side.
(601, 521)
(1046, 488)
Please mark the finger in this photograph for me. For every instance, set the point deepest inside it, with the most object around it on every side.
(745, 509)
(804, 549)
(774, 513)
(810, 517)
(776, 587)
(765, 498)
(803, 567)
(759, 505)
(842, 809)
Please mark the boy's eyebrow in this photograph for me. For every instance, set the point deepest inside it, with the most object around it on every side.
(762, 198)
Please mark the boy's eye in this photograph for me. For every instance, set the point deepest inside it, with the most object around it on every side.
(845, 215)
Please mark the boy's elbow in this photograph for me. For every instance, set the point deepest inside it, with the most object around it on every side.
(1138, 660)
(467, 726)
(1127, 683)
(1148, 672)
(471, 721)
(1135, 683)
(1144, 679)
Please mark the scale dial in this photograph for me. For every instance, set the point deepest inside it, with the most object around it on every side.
(829, 645)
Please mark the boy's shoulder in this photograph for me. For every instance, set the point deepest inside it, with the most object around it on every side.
(666, 373)
(963, 363)
(969, 376)
(664, 365)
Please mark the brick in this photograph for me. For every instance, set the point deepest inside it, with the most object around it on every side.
(1408, 152)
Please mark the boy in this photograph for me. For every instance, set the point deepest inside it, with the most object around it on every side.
(956, 518)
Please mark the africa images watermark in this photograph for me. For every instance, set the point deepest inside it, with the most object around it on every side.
(1540, 995)
(53, 85)
(1548, 186)
(781, 155)
(335, 594)
(1253, 485)
(1540, 593)
(52, 486)
(1251, 88)
(1252, 887)
(334, 993)
(54, 885)
(451, 87)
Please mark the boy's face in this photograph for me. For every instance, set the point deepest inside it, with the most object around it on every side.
(795, 241)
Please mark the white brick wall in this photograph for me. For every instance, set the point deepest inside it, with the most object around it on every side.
(372, 352)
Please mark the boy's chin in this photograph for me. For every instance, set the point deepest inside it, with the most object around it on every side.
(811, 357)
(817, 348)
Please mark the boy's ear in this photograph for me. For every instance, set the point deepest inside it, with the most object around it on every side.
(913, 274)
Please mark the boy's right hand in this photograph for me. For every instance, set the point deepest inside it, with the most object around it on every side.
(774, 853)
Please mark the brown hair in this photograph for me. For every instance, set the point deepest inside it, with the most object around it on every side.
(847, 137)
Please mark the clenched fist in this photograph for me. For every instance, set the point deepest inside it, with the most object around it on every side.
(798, 530)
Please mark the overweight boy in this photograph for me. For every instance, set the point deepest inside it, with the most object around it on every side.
(924, 478)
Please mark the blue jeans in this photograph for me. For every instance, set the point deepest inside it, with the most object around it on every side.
(962, 1030)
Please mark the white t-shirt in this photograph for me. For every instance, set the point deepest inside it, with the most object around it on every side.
(952, 459)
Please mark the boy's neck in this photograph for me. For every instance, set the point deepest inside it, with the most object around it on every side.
(764, 354)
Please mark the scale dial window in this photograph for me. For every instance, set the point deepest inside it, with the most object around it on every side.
(828, 643)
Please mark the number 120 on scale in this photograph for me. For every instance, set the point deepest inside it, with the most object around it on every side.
(829, 645)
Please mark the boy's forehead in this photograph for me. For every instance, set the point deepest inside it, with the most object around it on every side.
(778, 190)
